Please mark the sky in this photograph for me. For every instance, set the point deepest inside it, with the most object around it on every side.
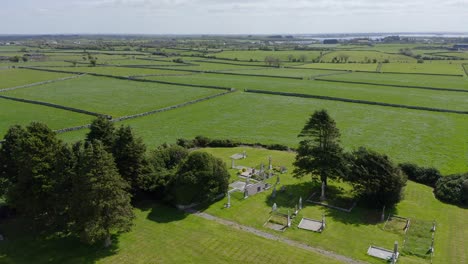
(231, 17)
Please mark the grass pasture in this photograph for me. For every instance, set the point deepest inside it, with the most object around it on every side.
(405, 135)
(342, 66)
(119, 71)
(112, 96)
(403, 79)
(23, 113)
(17, 77)
(374, 93)
(364, 56)
(259, 55)
(426, 67)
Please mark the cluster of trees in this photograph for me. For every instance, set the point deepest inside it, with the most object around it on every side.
(376, 179)
(272, 61)
(301, 58)
(87, 188)
(453, 189)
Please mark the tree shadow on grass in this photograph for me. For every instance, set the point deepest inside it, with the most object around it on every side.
(23, 246)
(163, 213)
(336, 196)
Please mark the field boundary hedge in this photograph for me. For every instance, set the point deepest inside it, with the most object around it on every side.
(320, 69)
(396, 85)
(322, 97)
(40, 83)
(81, 111)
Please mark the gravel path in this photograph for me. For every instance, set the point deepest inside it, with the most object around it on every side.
(274, 237)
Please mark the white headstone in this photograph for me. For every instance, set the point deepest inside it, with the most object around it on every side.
(300, 203)
(274, 208)
(229, 200)
(244, 154)
(232, 164)
(270, 166)
(323, 221)
(289, 219)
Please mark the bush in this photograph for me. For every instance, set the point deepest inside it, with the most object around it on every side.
(427, 176)
(453, 189)
(200, 178)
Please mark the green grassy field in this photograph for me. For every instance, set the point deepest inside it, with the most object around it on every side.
(343, 66)
(160, 235)
(426, 67)
(16, 77)
(118, 71)
(361, 223)
(23, 113)
(259, 55)
(405, 135)
(363, 56)
(112, 96)
(405, 96)
(403, 79)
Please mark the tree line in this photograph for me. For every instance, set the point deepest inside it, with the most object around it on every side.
(88, 188)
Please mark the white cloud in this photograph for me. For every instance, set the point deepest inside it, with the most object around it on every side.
(235, 16)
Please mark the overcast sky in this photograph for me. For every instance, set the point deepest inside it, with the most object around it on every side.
(231, 17)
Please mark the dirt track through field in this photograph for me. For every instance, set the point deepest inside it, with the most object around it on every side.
(269, 236)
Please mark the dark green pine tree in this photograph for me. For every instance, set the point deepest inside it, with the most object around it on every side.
(100, 202)
(30, 160)
(130, 156)
(102, 129)
(320, 153)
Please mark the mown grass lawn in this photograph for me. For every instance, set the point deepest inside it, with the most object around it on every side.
(160, 235)
(346, 233)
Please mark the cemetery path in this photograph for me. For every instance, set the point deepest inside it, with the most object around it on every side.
(274, 237)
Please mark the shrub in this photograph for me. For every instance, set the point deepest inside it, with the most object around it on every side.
(427, 176)
(200, 178)
(453, 189)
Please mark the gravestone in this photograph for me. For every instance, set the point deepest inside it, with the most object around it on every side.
(433, 229)
(229, 200)
(273, 193)
(261, 167)
(289, 219)
(323, 222)
(277, 179)
(296, 210)
(244, 154)
(232, 164)
(270, 166)
(274, 208)
(300, 203)
(395, 252)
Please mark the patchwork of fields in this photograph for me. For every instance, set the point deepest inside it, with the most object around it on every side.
(396, 108)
